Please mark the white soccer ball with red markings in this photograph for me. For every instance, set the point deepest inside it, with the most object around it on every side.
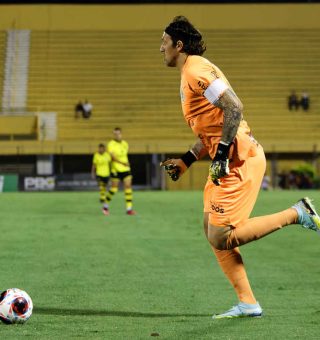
(15, 306)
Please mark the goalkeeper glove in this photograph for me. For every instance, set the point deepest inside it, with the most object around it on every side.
(176, 167)
(220, 164)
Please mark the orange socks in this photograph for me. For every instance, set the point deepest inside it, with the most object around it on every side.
(230, 260)
(258, 227)
(231, 264)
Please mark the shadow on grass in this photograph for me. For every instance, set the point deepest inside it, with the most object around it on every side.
(88, 312)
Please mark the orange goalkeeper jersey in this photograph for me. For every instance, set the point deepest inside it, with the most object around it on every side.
(204, 118)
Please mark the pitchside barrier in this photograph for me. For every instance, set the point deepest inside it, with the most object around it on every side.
(8, 182)
(68, 182)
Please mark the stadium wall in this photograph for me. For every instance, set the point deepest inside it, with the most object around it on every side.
(149, 17)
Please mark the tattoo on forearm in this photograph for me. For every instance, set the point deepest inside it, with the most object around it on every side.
(198, 149)
(232, 110)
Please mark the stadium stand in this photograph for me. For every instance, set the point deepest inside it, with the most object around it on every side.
(2, 60)
(18, 127)
(123, 80)
(123, 77)
(268, 65)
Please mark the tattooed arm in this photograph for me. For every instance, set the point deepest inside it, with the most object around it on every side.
(198, 149)
(232, 112)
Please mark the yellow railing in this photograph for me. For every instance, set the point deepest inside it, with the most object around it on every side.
(157, 146)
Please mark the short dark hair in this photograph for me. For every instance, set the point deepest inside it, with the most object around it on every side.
(117, 129)
(101, 145)
(182, 29)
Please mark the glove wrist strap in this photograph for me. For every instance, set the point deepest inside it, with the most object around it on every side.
(222, 151)
(188, 158)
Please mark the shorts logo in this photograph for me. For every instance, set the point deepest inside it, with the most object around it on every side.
(217, 208)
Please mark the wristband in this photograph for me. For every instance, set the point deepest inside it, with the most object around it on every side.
(188, 158)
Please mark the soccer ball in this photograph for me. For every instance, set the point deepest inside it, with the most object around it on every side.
(15, 306)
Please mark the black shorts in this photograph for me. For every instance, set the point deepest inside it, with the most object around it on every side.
(120, 175)
(105, 180)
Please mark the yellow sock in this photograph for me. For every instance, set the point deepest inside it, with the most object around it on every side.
(128, 197)
(102, 189)
(110, 194)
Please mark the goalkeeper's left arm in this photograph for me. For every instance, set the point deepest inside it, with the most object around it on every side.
(232, 115)
(176, 167)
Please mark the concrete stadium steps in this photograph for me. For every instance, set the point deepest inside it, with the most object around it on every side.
(133, 133)
(123, 76)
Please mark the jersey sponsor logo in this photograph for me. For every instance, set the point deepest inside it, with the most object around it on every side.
(202, 85)
(214, 73)
(217, 208)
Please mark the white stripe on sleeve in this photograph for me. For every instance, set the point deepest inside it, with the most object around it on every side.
(215, 90)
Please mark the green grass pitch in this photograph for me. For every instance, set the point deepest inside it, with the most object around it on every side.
(128, 277)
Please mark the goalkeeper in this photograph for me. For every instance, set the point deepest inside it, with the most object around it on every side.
(215, 114)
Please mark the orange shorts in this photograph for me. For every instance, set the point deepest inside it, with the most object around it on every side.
(231, 202)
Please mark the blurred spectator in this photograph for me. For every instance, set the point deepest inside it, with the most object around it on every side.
(305, 181)
(283, 180)
(299, 178)
(78, 109)
(265, 185)
(305, 101)
(293, 180)
(293, 102)
(87, 109)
